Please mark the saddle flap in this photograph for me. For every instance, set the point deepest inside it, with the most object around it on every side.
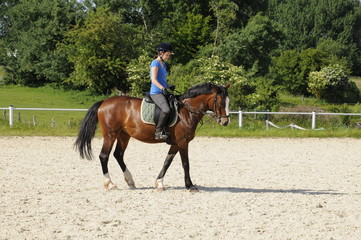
(148, 111)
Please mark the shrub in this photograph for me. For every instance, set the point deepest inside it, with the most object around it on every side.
(291, 69)
(245, 93)
(138, 75)
(332, 84)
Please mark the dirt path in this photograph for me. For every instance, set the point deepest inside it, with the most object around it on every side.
(249, 189)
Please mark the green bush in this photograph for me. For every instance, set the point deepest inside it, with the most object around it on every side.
(245, 93)
(138, 75)
(332, 84)
(291, 69)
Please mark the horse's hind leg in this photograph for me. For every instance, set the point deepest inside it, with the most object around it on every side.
(171, 154)
(122, 144)
(104, 158)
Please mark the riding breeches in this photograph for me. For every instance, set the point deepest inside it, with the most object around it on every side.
(161, 102)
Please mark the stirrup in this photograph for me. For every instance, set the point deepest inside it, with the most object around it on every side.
(161, 135)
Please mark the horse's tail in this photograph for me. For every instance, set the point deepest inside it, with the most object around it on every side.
(87, 132)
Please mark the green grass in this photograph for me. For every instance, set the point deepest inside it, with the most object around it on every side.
(257, 129)
(67, 123)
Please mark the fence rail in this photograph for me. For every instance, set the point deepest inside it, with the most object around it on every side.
(12, 109)
(313, 114)
(240, 113)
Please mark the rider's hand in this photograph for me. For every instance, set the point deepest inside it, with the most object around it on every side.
(171, 87)
(165, 92)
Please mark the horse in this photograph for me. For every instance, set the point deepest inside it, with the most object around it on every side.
(119, 118)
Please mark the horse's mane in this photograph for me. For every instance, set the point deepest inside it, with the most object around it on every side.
(205, 88)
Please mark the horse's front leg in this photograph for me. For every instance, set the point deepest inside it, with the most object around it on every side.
(171, 154)
(185, 162)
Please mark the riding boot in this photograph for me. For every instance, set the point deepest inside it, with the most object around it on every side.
(160, 131)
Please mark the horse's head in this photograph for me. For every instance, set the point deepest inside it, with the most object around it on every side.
(214, 98)
(220, 104)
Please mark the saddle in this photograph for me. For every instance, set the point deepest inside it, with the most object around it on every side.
(150, 111)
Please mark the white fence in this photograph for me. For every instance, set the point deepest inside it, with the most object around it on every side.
(240, 114)
(11, 111)
(313, 114)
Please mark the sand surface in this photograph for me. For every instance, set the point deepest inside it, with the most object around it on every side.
(249, 189)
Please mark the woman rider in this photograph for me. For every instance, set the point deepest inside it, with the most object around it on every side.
(159, 86)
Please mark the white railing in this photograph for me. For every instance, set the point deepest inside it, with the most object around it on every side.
(240, 113)
(12, 108)
(313, 114)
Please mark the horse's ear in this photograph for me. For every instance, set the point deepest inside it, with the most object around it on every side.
(228, 85)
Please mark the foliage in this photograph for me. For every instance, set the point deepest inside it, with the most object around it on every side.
(191, 34)
(96, 44)
(252, 46)
(31, 31)
(336, 53)
(3, 74)
(291, 69)
(225, 13)
(245, 93)
(138, 75)
(332, 84)
(100, 50)
(306, 22)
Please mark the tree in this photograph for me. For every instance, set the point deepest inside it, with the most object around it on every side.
(100, 50)
(225, 13)
(31, 30)
(253, 46)
(336, 52)
(191, 34)
(291, 69)
(306, 22)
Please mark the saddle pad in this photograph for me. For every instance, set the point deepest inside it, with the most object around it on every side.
(147, 113)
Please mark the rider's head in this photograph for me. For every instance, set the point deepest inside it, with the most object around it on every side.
(165, 50)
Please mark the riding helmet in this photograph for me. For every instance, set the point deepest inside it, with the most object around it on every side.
(165, 47)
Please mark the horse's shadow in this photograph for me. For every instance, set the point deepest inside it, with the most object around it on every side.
(254, 190)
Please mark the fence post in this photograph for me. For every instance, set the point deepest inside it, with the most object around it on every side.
(11, 115)
(240, 116)
(313, 120)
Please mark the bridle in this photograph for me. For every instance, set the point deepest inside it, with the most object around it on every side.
(215, 107)
(214, 114)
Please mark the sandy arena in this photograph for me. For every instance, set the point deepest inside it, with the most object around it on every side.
(249, 189)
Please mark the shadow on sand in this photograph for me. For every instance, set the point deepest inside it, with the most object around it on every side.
(253, 190)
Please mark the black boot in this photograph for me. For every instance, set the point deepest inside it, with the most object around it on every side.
(160, 131)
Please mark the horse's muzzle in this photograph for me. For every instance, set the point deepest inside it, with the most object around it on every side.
(223, 120)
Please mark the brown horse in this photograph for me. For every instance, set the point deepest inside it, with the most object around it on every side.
(120, 119)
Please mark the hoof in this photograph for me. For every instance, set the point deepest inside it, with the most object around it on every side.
(132, 186)
(160, 189)
(159, 185)
(114, 187)
(110, 186)
(193, 189)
